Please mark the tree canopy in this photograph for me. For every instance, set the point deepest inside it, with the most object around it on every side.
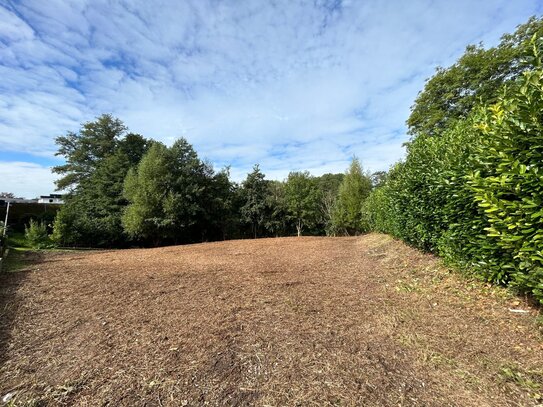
(353, 191)
(474, 193)
(165, 193)
(98, 158)
(255, 191)
(84, 151)
(478, 75)
(302, 200)
(124, 189)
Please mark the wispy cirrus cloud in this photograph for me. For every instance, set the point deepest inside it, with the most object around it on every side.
(288, 84)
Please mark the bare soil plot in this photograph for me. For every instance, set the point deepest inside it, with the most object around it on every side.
(271, 322)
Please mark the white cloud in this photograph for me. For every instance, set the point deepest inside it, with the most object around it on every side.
(26, 179)
(289, 84)
(12, 27)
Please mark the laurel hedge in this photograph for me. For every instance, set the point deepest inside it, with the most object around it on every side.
(475, 194)
(508, 185)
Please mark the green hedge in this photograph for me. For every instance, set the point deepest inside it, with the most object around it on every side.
(475, 194)
(508, 186)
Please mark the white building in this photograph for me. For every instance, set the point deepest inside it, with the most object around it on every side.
(51, 199)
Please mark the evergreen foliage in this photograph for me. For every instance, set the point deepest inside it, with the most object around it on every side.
(127, 190)
(328, 188)
(479, 75)
(277, 222)
(98, 159)
(37, 236)
(347, 217)
(167, 194)
(508, 184)
(255, 209)
(475, 193)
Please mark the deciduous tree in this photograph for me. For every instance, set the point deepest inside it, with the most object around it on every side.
(302, 200)
(165, 193)
(478, 75)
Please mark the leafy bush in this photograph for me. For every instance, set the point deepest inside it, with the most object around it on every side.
(475, 193)
(82, 222)
(377, 209)
(425, 196)
(509, 184)
(36, 235)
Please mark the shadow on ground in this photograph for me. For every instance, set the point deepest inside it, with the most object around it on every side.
(14, 272)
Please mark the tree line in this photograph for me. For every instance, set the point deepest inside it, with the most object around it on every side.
(470, 188)
(471, 185)
(127, 190)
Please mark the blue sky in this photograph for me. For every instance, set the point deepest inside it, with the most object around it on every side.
(291, 85)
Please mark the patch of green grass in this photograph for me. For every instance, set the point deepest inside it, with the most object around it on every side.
(408, 287)
(14, 261)
(467, 377)
(411, 340)
(529, 380)
(17, 239)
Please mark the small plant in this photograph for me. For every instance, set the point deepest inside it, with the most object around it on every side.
(36, 235)
(408, 287)
(530, 380)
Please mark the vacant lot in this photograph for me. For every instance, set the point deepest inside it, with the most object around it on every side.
(291, 321)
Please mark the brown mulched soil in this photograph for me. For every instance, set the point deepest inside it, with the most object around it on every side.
(354, 321)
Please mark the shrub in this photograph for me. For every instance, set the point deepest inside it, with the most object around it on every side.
(78, 223)
(475, 193)
(36, 235)
(377, 209)
(509, 185)
(426, 196)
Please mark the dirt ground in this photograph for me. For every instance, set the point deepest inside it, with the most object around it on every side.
(359, 321)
